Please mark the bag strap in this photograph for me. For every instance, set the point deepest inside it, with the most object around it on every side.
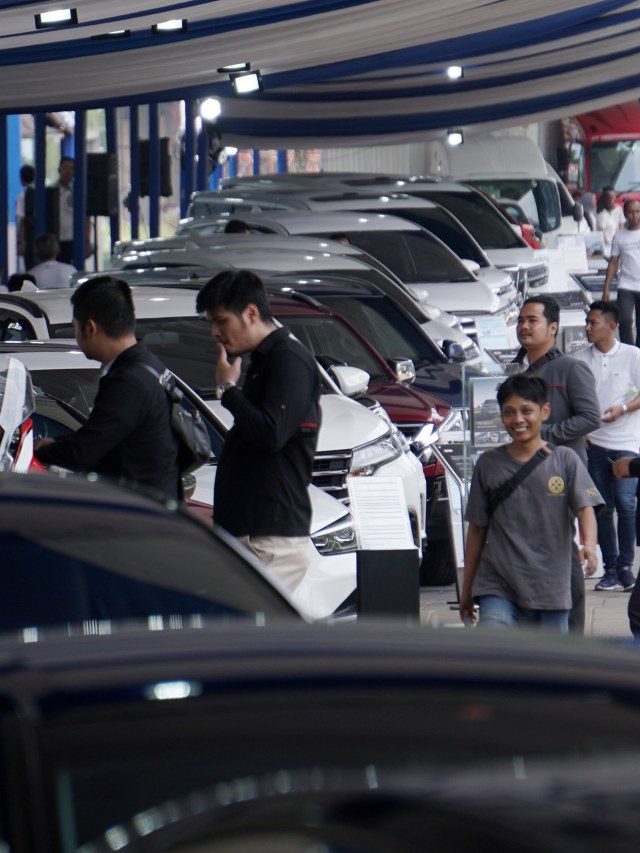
(167, 381)
(506, 489)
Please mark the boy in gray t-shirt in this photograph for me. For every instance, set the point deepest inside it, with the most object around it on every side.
(518, 551)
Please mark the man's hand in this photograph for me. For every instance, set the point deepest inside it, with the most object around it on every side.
(225, 371)
(42, 442)
(612, 414)
(620, 467)
(588, 555)
(467, 609)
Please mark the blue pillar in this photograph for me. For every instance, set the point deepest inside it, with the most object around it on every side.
(4, 199)
(134, 197)
(233, 166)
(282, 161)
(41, 172)
(112, 148)
(256, 161)
(68, 148)
(189, 157)
(154, 172)
(80, 191)
(202, 172)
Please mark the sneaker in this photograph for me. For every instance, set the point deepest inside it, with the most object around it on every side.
(609, 583)
(627, 579)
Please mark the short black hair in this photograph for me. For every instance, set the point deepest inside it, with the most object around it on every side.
(107, 301)
(233, 290)
(16, 281)
(62, 160)
(237, 226)
(626, 204)
(550, 307)
(27, 174)
(532, 388)
(46, 246)
(606, 307)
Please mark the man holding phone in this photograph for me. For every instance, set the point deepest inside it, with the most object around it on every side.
(616, 370)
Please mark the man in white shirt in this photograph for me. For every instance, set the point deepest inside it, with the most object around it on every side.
(50, 273)
(616, 370)
(609, 216)
(625, 262)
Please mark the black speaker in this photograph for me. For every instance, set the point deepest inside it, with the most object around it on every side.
(53, 211)
(102, 184)
(166, 188)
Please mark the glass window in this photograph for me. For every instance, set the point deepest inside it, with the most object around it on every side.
(615, 164)
(386, 328)
(77, 388)
(538, 199)
(448, 229)
(329, 337)
(478, 216)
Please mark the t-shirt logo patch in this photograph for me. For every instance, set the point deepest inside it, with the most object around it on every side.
(555, 485)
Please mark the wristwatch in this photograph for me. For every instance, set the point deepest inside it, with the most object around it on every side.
(224, 386)
(625, 408)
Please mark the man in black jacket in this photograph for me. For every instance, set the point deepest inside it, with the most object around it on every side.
(128, 434)
(261, 490)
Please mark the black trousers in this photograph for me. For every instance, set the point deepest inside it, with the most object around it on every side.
(577, 614)
(634, 611)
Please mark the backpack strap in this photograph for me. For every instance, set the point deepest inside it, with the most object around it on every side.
(506, 489)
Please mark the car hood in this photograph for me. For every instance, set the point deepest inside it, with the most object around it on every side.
(444, 381)
(511, 257)
(405, 404)
(468, 297)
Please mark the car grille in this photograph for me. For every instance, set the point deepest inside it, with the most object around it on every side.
(594, 282)
(409, 430)
(469, 327)
(330, 473)
(537, 276)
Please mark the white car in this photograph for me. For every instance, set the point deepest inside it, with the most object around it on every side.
(352, 439)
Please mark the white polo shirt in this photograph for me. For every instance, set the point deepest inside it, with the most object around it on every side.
(52, 274)
(617, 375)
(626, 245)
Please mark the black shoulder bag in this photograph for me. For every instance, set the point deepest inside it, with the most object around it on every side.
(506, 489)
(194, 447)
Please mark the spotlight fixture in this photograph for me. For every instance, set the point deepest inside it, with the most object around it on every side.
(231, 69)
(455, 136)
(176, 25)
(56, 18)
(210, 109)
(115, 34)
(246, 82)
(455, 72)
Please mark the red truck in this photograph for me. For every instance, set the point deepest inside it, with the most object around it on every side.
(602, 148)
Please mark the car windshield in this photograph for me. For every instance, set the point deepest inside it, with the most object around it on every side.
(615, 164)
(385, 326)
(76, 387)
(539, 199)
(328, 336)
(445, 226)
(478, 216)
(414, 256)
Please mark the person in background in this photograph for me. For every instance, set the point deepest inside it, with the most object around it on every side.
(236, 226)
(65, 210)
(19, 279)
(572, 396)
(625, 263)
(261, 489)
(616, 370)
(50, 273)
(26, 216)
(609, 215)
(518, 553)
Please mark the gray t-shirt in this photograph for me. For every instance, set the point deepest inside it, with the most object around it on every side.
(527, 555)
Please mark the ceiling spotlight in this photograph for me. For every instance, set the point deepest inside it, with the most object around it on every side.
(176, 25)
(230, 69)
(455, 72)
(56, 18)
(231, 150)
(247, 82)
(210, 109)
(115, 34)
(455, 136)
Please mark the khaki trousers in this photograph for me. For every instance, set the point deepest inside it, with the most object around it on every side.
(288, 557)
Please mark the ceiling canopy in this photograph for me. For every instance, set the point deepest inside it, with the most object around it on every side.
(335, 72)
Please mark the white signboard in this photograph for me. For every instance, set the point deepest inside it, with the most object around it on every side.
(379, 506)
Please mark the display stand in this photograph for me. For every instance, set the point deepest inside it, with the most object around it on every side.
(389, 584)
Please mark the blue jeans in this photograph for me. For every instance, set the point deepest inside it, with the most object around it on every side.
(497, 612)
(628, 303)
(619, 496)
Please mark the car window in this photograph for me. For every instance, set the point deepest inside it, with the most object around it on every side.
(441, 223)
(327, 336)
(478, 216)
(539, 199)
(76, 387)
(15, 327)
(386, 328)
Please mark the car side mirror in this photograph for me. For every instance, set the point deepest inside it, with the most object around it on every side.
(188, 486)
(403, 368)
(350, 380)
(454, 351)
(578, 212)
(472, 266)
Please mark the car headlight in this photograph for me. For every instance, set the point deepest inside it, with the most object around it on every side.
(338, 538)
(367, 459)
(511, 313)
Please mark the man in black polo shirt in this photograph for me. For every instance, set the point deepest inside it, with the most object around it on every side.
(261, 491)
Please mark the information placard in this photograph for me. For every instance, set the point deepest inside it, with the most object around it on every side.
(379, 506)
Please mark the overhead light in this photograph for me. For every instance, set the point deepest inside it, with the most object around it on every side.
(56, 18)
(231, 150)
(455, 72)
(455, 137)
(210, 109)
(116, 34)
(176, 25)
(247, 82)
(230, 69)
